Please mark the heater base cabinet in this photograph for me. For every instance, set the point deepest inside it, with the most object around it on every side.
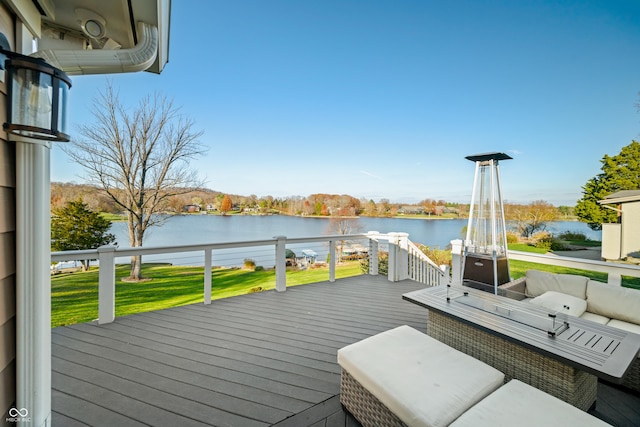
(479, 268)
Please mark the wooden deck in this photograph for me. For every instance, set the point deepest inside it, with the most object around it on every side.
(255, 360)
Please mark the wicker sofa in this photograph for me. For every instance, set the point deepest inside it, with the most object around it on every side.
(589, 299)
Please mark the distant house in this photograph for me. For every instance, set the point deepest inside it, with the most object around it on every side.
(622, 240)
(192, 208)
(411, 210)
(450, 210)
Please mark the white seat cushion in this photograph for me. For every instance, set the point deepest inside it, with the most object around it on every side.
(587, 315)
(519, 404)
(561, 303)
(625, 326)
(421, 380)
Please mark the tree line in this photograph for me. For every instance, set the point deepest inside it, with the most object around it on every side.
(319, 204)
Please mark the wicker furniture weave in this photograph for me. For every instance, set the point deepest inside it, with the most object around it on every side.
(363, 405)
(632, 379)
(558, 379)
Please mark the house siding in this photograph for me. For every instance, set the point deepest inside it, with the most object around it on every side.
(7, 249)
(630, 229)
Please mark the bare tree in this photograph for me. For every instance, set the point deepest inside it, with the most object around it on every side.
(139, 158)
(532, 217)
(343, 226)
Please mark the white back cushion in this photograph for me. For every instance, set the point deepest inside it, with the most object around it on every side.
(613, 301)
(539, 282)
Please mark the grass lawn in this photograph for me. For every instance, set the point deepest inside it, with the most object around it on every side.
(113, 217)
(74, 296)
(523, 247)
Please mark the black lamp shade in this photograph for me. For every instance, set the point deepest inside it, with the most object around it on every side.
(37, 99)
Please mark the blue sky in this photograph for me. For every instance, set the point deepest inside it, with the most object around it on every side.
(384, 99)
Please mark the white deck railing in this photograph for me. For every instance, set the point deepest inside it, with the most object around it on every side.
(614, 270)
(422, 269)
(405, 261)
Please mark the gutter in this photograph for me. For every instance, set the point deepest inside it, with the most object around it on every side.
(80, 62)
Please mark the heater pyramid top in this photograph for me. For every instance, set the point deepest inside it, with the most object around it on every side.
(488, 156)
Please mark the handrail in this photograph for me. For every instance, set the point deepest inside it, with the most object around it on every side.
(415, 266)
(167, 249)
(613, 269)
(421, 255)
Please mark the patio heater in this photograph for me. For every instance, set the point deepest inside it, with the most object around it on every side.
(485, 264)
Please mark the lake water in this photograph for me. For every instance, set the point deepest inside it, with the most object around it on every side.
(192, 229)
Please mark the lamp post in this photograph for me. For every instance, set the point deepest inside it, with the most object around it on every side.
(36, 116)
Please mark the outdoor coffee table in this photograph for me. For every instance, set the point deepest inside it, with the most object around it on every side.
(559, 354)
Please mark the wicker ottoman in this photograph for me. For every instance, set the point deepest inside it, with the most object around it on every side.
(405, 377)
(519, 404)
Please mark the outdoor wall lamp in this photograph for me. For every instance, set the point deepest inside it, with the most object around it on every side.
(36, 96)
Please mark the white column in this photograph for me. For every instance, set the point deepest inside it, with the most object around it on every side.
(33, 281)
(403, 256)
(106, 284)
(373, 253)
(332, 261)
(614, 279)
(207, 276)
(393, 257)
(281, 263)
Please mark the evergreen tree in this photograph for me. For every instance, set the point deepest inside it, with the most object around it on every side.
(76, 227)
(620, 172)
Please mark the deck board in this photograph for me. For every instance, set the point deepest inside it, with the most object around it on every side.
(260, 359)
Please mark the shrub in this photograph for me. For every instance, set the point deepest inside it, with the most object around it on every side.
(438, 256)
(249, 264)
(572, 236)
(383, 264)
(259, 268)
(547, 242)
(512, 237)
(544, 243)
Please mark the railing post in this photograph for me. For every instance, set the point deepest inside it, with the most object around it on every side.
(207, 276)
(403, 256)
(373, 253)
(106, 284)
(332, 261)
(445, 269)
(614, 279)
(393, 256)
(281, 263)
(398, 256)
(456, 262)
